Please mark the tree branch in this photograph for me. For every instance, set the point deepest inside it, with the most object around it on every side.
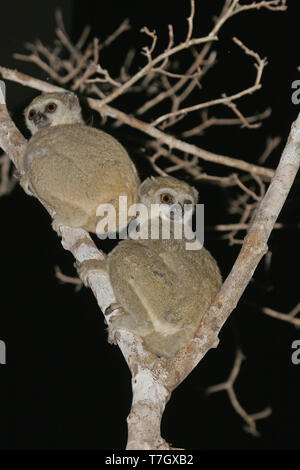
(163, 138)
(288, 317)
(260, 65)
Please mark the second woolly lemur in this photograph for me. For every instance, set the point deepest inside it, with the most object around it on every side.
(163, 288)
(71, 167)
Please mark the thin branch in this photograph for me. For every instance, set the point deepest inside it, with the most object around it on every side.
(190, 20)
(124, 26)
(34, 58)
(260, 65)
(242, 226)
(288, 317)
(151, 64)
(190, 168)
(161, 137)
(242, 118)
(229, 9)
(171, 91)
(228, 386)
(147, 51)
(84, 35)
(248, 208)
(214, 121)
(244, 188)
(271, 144)
(273, 5)
(124, 72)
(68, 279)
(173, 142)
(93, 68)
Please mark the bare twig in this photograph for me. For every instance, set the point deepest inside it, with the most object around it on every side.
(273, 5)
(190, 21)
(214, 121)
(68, 279)
(124, 26)
(241, 226)
(160, 136)
(159, 70)
(243, 119)
(248, 208)
(228, 386)
(259, 64)
(151, 64)
(271, 144)
(229, 9)
(244, 188)
(84, 35)
(288, 317)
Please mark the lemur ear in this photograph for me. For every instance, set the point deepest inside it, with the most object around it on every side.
(71, 98)
(146, 186)
(195, 194)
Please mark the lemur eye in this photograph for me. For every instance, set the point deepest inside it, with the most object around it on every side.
(166, 198)
(188, 201)
(51, 107)
(31, 114)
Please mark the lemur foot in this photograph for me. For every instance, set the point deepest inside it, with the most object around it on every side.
(89, 266)
(57, 222)
(112, 313)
